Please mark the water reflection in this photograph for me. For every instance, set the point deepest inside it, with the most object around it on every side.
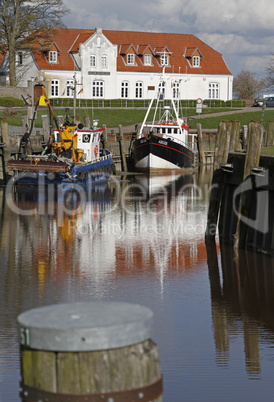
(242, 294)
(142, 240)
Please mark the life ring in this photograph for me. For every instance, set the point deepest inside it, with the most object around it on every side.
(34, 162)
(96, 149)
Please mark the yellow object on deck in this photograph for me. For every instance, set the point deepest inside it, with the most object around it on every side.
(42, 101)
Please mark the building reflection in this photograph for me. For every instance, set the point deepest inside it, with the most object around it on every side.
(104, 232)
(242, 293)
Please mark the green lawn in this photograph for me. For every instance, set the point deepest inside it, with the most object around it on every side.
(113, 117)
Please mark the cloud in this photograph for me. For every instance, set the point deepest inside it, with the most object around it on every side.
(243, 33)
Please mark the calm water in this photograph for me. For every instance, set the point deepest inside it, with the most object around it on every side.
(142, 241)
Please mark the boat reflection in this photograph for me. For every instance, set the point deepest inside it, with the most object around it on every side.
(108, 231)
(242, 294)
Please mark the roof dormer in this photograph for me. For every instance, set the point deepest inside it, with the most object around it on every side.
(52, 53)
(128, 52)
(163, 55)
(145, 52)
(193, 56)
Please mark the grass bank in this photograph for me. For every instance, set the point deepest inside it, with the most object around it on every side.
(113, 117)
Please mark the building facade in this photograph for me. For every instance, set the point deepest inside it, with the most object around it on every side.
(123, 65)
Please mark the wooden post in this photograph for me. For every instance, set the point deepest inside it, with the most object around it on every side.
(244, 136)
(269, 140)
(252, 159)
(222, 143)
(105, 132)
(253, 152)
(200, 143)
(87, 121)
(235, 136)
(122, 153)
(89, 352)
(5, 133)
(46, 128)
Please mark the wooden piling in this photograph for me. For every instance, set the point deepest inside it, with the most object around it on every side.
(89, 352)
(87, 121)
(269, 134)
(252, 159)
(46, 128)
(235, 136)
(200, 143)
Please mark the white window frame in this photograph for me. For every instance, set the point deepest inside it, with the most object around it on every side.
(52, 56)
(213, 90)
(147, 60)
(54, 88)
(161, 88)
(98, 88)
(69, 88)
(130, 59)
(104, 61)
(139, 90)
(164, 60)
(124, 89)
(196, 61)
(176, 90)
(92, 61)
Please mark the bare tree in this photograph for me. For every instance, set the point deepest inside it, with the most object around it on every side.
(247, 86)
(270, 71)
(23, 23)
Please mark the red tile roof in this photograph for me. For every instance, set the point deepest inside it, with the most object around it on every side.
(68, 40)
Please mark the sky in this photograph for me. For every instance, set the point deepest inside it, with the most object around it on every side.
(241, 30)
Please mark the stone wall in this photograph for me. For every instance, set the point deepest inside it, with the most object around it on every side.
(14, 92)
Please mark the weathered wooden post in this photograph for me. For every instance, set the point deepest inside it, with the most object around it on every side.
(252, 159)
(105, 132)
(222, 143)
(87, 121)
(89, 352)
(200, 143)
(235, 136)
(122, 153)
(46, 128)
(244, 137)
(269, 134)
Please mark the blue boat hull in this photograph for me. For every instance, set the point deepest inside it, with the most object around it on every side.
(89, 173)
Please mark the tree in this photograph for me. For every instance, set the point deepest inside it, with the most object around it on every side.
(247, 86)
(23, 23)
(270, 71)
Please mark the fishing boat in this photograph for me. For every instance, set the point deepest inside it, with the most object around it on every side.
(72, 155)
(163, 145)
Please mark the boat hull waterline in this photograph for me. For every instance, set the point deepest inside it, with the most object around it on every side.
(161, 154)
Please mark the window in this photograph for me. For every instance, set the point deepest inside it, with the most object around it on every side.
(196, 61)
(213, 91)
(104, 61)
(175, 90)
(53, 57)
(19, 58)
(98, 89)
(124, 89)
(161, 90)
(69, 88)
(92, 61)
(164, 60)
(130, 58)
(54, 87)
(147, 60)
(139, 90)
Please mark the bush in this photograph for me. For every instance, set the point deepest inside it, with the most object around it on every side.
(11, 102)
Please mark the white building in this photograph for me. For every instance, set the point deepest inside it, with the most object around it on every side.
(124, 64)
